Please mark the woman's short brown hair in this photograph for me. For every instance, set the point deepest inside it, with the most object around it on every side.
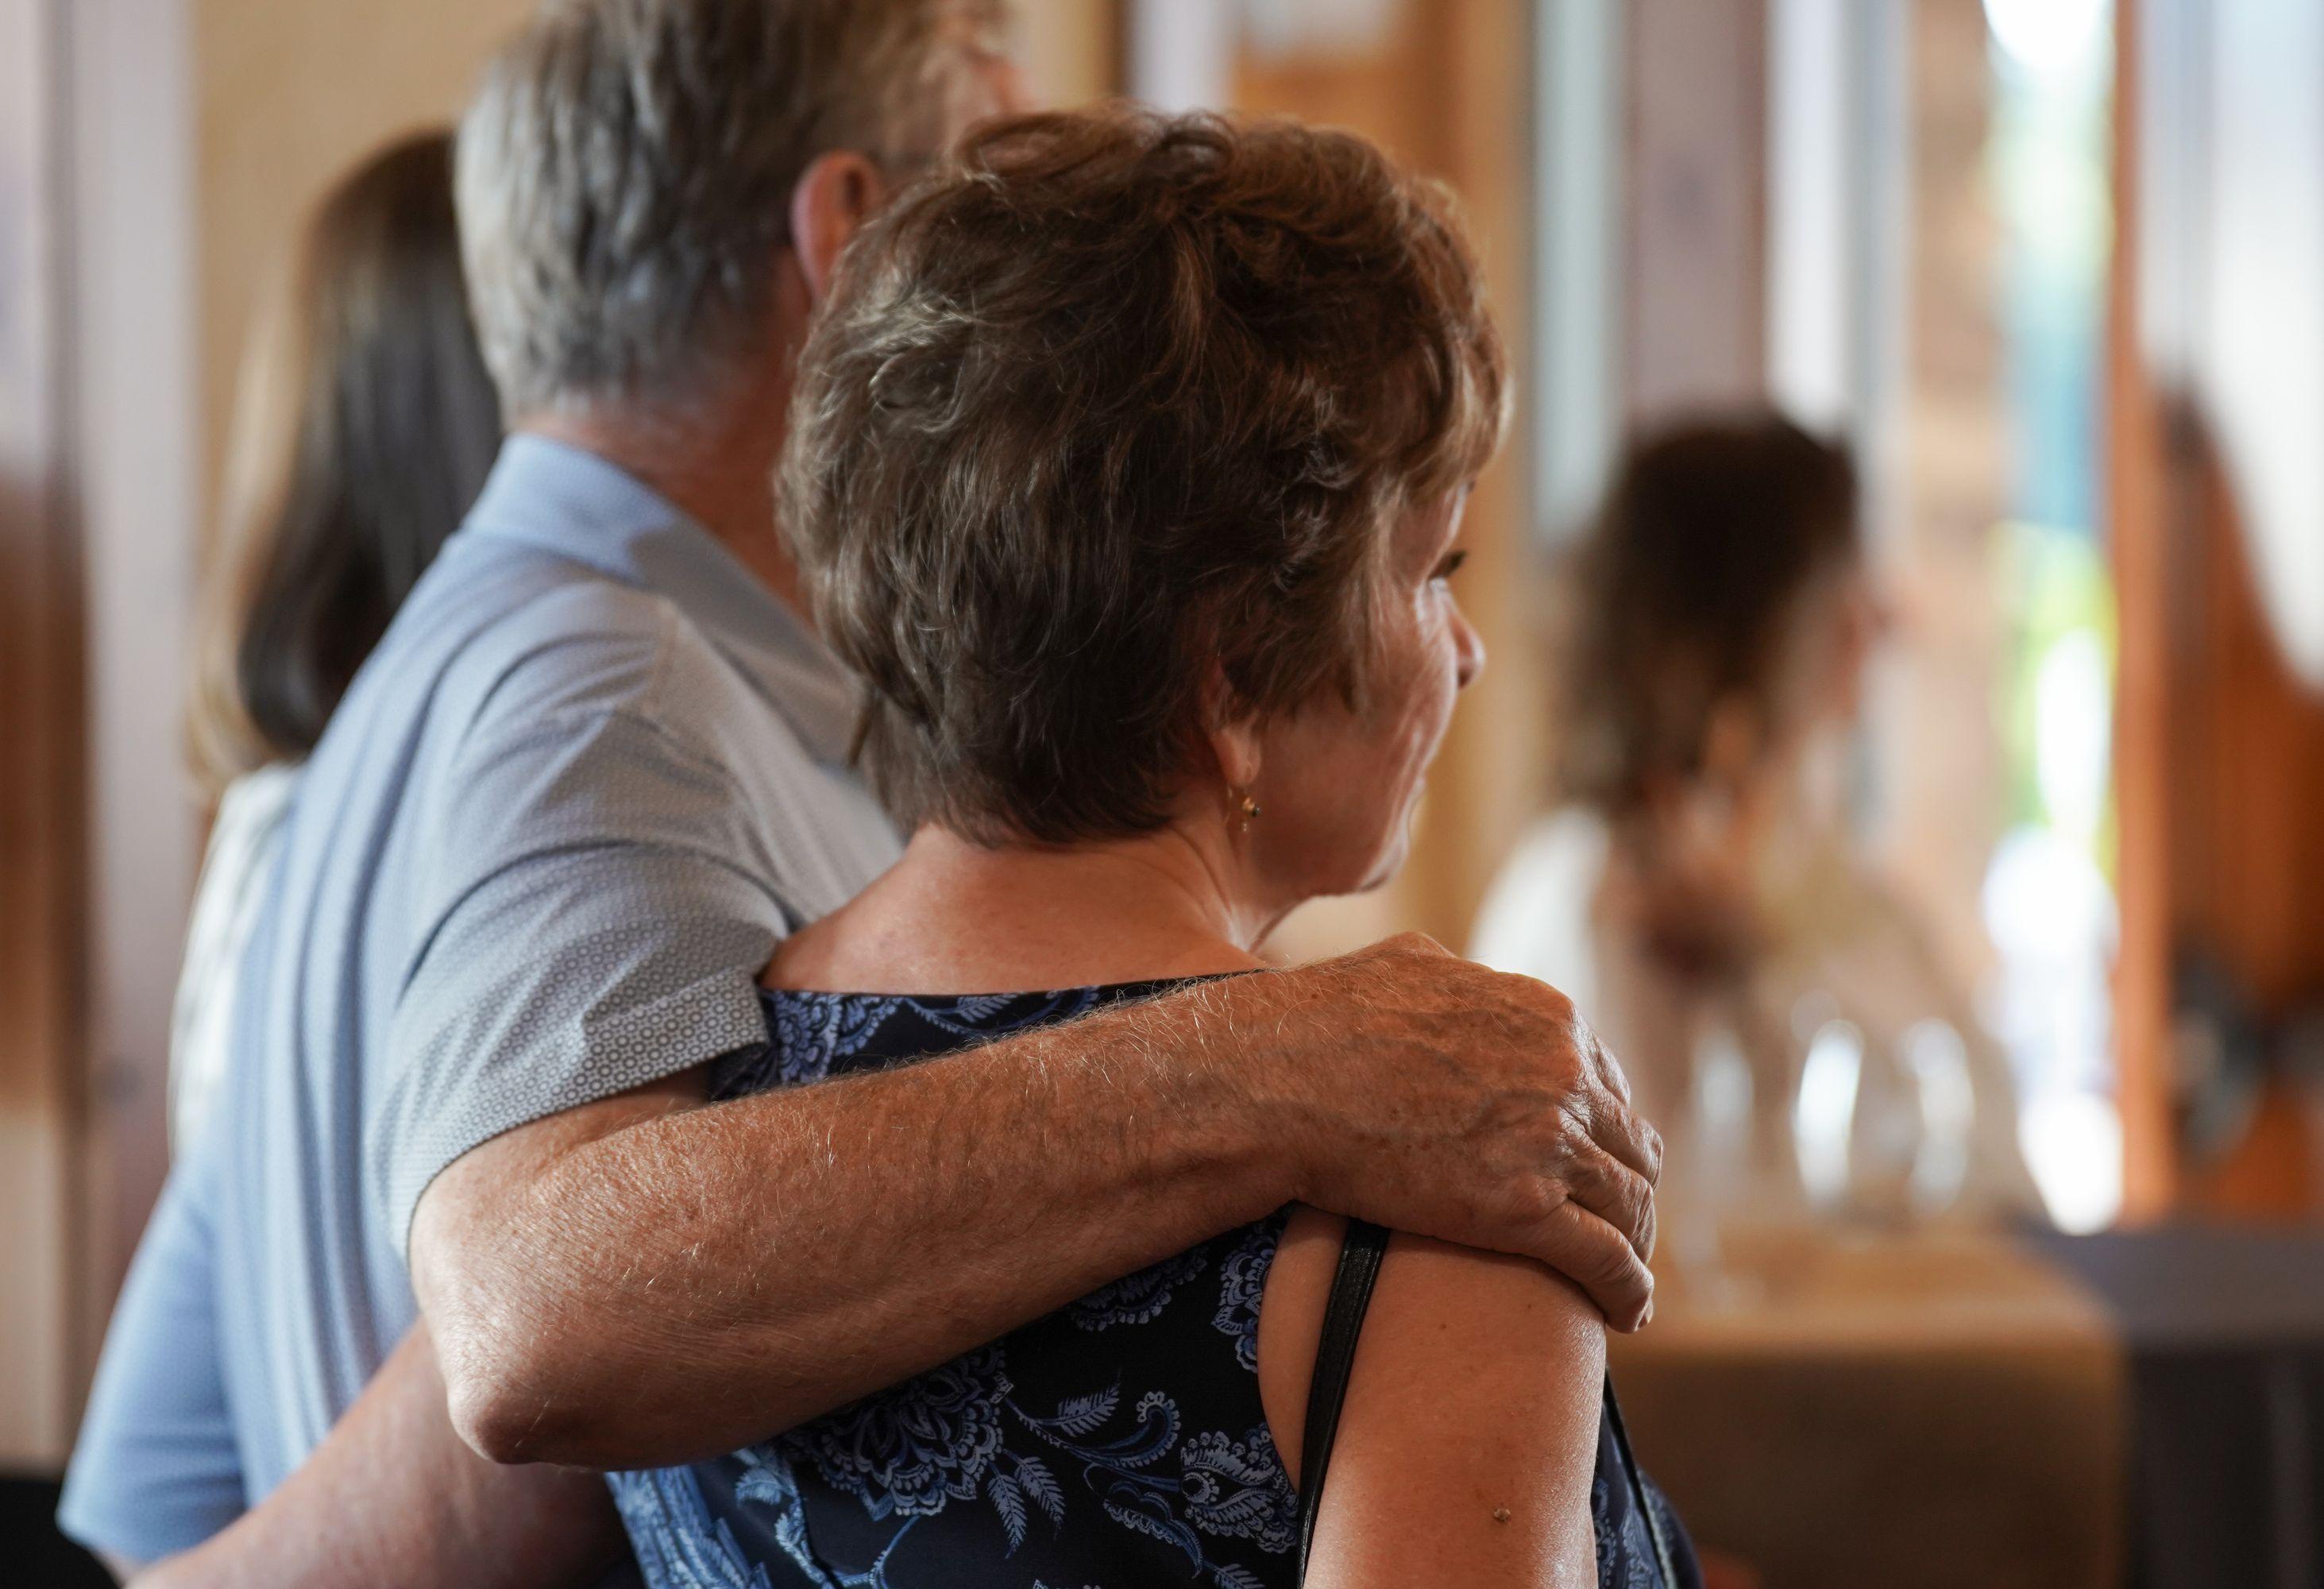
(1114, 399)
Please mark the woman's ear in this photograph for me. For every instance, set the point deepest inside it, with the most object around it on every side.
(1235, 747)
(835, 197)
(1232, 733)
(1733, 742)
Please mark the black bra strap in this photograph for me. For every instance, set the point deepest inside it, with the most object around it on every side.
(1327, 1392)
(1335, 1355)
(1666, 1559)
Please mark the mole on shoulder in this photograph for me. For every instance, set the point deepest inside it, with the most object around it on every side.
(1501, 1514)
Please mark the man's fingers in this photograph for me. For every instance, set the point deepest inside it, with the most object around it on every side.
(1627, 1136)
(1597, 1258)
(1620, 1132)
(1604, 1186)
(1610, 1069)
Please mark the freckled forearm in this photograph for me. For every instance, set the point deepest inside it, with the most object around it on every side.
(391, 1497)
(700, 1280)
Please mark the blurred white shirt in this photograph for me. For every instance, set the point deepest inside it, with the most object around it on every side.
(1535, 920)
(244, 841)
(1720, 1068)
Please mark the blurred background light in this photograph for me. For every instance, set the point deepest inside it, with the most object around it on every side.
(2047, 37)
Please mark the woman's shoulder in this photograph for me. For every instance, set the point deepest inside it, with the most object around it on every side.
(1437, 1308)
(244, 839)
(1469, 1448)
(249, 820)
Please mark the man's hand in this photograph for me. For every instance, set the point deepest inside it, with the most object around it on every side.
(641, 1282)
(1428, 1093)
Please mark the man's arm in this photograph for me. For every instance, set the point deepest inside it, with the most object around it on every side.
(639, 1281)
(393, 1497)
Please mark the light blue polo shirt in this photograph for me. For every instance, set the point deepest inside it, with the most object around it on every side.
(589, 778)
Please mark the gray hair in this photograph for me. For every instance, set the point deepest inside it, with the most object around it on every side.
(625, 174)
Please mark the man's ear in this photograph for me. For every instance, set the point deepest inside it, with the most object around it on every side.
(836, 195)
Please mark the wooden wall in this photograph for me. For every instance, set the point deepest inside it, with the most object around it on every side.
(2138, 492)
(1073, 50)
(2219, 746)
(283, 111)
(2247, 851)
(40, 872)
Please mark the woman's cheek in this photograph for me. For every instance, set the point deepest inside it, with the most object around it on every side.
(1438, 687)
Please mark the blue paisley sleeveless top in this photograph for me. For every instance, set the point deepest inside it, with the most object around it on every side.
(1116, 1444)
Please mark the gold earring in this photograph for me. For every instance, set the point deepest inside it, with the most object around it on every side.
(1245, 811)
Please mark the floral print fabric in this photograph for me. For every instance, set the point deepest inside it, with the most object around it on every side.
(1117, 1442)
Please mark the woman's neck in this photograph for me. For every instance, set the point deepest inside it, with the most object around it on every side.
(957, 917)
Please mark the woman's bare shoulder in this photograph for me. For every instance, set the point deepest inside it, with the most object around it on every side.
(1471, 1428)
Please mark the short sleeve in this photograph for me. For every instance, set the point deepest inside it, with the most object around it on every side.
(597, 913)
(156, 1469)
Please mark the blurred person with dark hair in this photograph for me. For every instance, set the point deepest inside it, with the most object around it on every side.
(365, 426)
(595, 774)
(1697, 895)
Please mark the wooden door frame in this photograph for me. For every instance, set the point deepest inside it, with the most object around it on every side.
(42, 1009)
(2138, 491)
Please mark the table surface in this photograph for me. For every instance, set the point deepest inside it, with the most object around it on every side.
(1789, 1291)
(1994, 1407)
(2198, 1286)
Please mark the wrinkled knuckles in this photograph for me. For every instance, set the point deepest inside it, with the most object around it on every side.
(1619, 1195)
(1610, 1068)
(1653, 1147)
(1539, 1198)
(1616, 1273)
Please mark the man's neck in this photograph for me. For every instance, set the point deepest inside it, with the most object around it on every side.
(719, 473)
